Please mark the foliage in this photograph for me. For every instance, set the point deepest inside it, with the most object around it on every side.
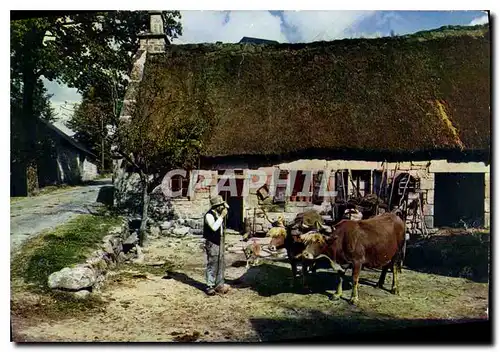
(41, 99)
(169, 123)
(461, 255)
(78, 49)
(41, 109)
(81, 48)
(89, 121)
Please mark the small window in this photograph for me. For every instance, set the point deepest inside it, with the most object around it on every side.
(379, 183)
(179, 183)
(341, 180)
(280, 195)
(298, 187)
(362, 182)
(317, 179)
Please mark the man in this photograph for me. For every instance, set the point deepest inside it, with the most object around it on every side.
(213, 228)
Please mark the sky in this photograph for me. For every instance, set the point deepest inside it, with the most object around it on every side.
(288, 27)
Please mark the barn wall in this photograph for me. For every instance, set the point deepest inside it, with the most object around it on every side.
(89, 169)
(438, 166)
(487, 213)
(68, 161)
(197, 205)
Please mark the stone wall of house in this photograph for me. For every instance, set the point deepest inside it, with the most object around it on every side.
(424, 170)
(487, 200)
(255, 211)
(89, 170)
(68, 163)
(191, 209)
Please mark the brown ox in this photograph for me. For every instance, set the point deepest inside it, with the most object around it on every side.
(290, 238)
(377, 242)
(352, 214)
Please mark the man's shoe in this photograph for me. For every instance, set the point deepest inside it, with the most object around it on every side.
(210, 291)
(222, 289)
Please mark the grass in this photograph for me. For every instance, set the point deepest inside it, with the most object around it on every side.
(264, 305)
(67, 245)
(130, 269)
(54, 306)
(53, 189)
(16, 199)
(105, 175)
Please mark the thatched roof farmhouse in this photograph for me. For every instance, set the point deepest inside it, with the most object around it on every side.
(417, 105)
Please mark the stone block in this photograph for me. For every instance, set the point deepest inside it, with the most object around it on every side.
(82, 294)
(108, 248)
(77, 278)
(154, 232)
(429, 209)
(487, 205)
(196, 232)
(430, 196)
(429, 221)
(180, 231)
(487, 220)
(194, 223)
(427, 182)
(487, 188)
(138, 68)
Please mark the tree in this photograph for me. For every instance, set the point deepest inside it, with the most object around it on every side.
(41, 108)
(89, 121)
(172, 119)
(77, 49)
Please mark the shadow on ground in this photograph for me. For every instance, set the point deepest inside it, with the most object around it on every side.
(106, 195)
(268, 280)
(363, 327)
(98, 182)
(460, 255)
(185, 279)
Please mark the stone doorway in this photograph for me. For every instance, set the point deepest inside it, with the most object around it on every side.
(459, 200)
(235, 215)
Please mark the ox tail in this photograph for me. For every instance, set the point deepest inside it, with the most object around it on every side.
(402, 253)
(402, 258)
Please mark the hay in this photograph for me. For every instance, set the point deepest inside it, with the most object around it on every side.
(328, 92)
(313, 237)
(276, 232)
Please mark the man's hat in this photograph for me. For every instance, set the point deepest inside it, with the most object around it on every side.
(216, 201)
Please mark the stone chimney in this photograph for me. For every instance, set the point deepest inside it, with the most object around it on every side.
(154, 40)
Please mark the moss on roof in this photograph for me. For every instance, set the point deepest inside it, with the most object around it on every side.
(427, 91)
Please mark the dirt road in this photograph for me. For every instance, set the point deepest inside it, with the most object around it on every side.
(263, 305)
(32, 215)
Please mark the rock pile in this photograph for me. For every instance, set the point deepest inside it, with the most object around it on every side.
(118, 246)
(177, 228)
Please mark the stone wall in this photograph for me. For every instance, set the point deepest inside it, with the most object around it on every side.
(195, 206)
(487, 200)
(89, 170)
(118, 246)
(68, 163)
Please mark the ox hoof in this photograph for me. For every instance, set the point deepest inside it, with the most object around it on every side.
(395, 291)
(354, 300)
(336, 296)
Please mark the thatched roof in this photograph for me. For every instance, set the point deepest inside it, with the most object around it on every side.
(427, 92)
